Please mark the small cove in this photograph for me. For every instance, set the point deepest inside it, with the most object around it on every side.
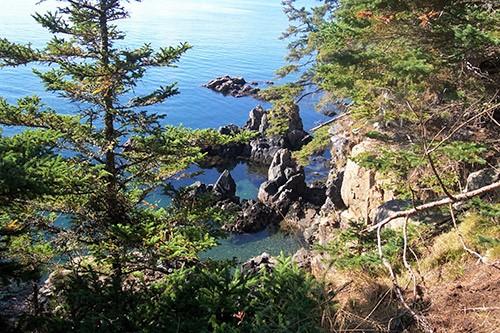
(236, 37)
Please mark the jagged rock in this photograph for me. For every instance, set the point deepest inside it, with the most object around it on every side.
(322, 230)
(341, 146)
(362, 189)
(264, 124)
(263, 150)
(252, 216)
(225, 186)
(285, 184)
(333, 194)
(234, 86)
(297, 138)
(316, 194)
(255, 118)
(293, 116)
(194, 191)
(482, 178)
(230, 129)
(299, 217)
(255, 264)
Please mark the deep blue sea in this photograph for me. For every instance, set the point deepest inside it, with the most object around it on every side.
(235, 37)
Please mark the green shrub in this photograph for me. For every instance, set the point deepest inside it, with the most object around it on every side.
(208, 297)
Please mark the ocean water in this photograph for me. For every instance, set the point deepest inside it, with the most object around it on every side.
(235, 37)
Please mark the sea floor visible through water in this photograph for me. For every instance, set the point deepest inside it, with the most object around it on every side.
(235, 37)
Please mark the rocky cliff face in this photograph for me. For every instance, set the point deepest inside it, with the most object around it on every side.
(362, 190)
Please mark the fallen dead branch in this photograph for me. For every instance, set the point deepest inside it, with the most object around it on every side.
(434, 204)
(330, 121)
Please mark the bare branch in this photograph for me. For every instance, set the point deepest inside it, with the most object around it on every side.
(434, 204)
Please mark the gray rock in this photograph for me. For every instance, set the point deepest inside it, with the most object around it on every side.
(393, 206)
(285, 184)
(297, 138)
(255, 118)
(264, 124)
(302, 258)
(230, 129)
(482, 178)
(195, 190)
(225, 185)
(363, 190)
(333, 194)
(255, 264)
(252, 216)
(263, 150)
(234, 86)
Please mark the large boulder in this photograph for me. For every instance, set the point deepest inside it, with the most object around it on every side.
(230, 129)
(252, 216)
(263, 150)
(299, 217)
(255, 118)
(296, 138)
(225, 186)
(482, 178)
(294, 119)
(333, 191)
(394, 206)
(362, 189)
(285, 184)
(341, 145)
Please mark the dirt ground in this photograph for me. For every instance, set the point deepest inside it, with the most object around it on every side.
(470, 303)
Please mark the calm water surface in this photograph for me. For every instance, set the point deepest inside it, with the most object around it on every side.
(236, 37)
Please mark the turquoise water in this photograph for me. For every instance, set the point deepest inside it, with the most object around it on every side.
(236, 37)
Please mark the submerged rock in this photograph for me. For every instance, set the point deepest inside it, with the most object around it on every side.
(234, 86)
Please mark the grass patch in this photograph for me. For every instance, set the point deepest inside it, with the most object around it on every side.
(318, 144)
(481, 233)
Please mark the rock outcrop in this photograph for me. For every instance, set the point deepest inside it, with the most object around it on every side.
(234, 86)
(263, 150)
(285, 184)
(225, 186)
(393, 206)
(362, 189)
(252, 216)
(255, 119)
(482, 178)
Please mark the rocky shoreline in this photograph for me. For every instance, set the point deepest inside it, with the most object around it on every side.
(311, 212)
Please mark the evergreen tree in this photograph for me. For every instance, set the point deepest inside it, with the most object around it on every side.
(127, 265)
(114, 153)
(421, 74)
